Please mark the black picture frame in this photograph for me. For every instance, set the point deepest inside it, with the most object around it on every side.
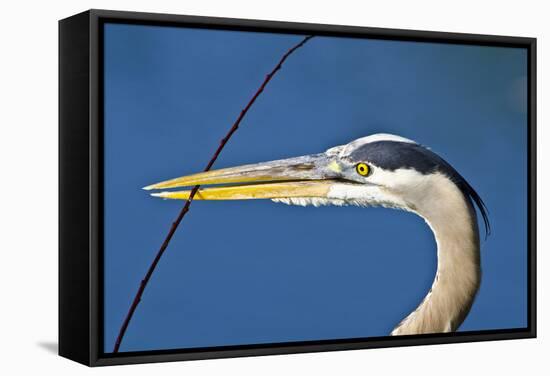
(80, 186)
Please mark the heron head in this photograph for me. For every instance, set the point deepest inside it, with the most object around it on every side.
(378, 170)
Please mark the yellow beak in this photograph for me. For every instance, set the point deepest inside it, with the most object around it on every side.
(254, 191)
(295, 177)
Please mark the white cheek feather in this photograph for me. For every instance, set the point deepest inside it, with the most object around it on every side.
(366, 195)
(317, 202)
(307, 201)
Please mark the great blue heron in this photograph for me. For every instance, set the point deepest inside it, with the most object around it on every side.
(378, 170)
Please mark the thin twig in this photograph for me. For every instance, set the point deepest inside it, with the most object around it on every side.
(185, 208)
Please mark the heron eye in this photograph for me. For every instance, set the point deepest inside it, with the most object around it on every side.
(362, 169)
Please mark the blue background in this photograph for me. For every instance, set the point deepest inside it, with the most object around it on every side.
(247, 272)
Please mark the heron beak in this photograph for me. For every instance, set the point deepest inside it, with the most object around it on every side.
(307, 176)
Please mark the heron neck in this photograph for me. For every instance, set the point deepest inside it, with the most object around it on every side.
(452, 219)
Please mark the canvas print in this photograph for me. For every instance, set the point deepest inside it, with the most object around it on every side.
(267, 188)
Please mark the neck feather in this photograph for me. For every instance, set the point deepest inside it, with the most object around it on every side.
(452, 219)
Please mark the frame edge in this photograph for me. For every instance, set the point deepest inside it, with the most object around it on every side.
(74, 264)
(87, 348)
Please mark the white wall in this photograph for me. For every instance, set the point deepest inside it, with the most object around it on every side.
(28, 189)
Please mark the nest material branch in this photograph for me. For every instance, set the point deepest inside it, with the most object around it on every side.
(186, 206)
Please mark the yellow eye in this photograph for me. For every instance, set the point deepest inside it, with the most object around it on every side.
(362, 169)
